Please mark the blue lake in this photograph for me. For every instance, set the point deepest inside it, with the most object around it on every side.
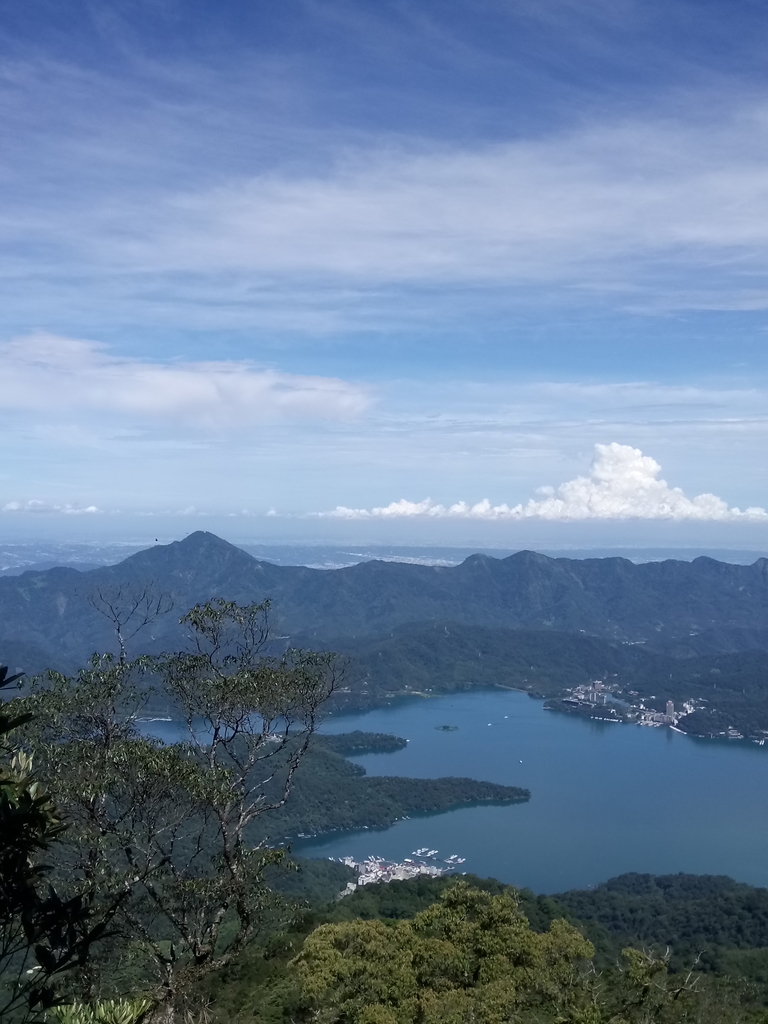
(605, 798)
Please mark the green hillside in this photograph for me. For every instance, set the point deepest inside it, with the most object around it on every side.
(444, 657)
(713, 922)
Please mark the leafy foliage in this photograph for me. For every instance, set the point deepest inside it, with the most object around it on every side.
(471, 956)
(104, 1011)
(364, 966)
(157, 841)
(42, 935)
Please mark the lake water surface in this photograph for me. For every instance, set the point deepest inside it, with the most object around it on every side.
(605, 798)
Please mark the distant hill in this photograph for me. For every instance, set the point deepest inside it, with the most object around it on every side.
(691, 914)
(446, 656)
(45, 616)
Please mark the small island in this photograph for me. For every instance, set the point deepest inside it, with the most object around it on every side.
(447, 728)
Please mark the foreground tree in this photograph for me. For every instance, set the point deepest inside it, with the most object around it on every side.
(472, 958)
(42, 935)
(164, 841)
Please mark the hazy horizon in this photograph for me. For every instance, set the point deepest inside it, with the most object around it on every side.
(18, 557)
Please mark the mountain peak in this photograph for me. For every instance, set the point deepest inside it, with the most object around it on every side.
(200, 546)
(529, 557)
(206, 541)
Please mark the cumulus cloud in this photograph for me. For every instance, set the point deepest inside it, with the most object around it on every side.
(622, 484)
(50, 373)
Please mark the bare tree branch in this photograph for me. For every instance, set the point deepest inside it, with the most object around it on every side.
(129, 608)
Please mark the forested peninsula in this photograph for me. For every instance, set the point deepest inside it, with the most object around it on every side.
(331, 794)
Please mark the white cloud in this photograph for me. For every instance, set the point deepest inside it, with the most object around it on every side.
(602, 206)
(622, 484)
(44, 372)
(43, 507)
(666, 211)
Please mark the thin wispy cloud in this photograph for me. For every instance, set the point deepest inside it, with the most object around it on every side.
(500, 439)
(50, 375)
(564, 208)
(622, 484)
(663, 213)
(160, 211)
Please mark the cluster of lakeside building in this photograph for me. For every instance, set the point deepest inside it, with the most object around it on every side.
(377, 869)
(599, 699)
(601, 694)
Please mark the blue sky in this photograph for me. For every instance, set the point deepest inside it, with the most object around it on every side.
(267, 262)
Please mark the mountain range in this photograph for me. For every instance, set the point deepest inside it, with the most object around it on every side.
(699, 607)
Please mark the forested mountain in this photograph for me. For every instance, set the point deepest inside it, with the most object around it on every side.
(46, 616)
(445, 657)
(674, 629)
(692, 915)
(713, 922)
